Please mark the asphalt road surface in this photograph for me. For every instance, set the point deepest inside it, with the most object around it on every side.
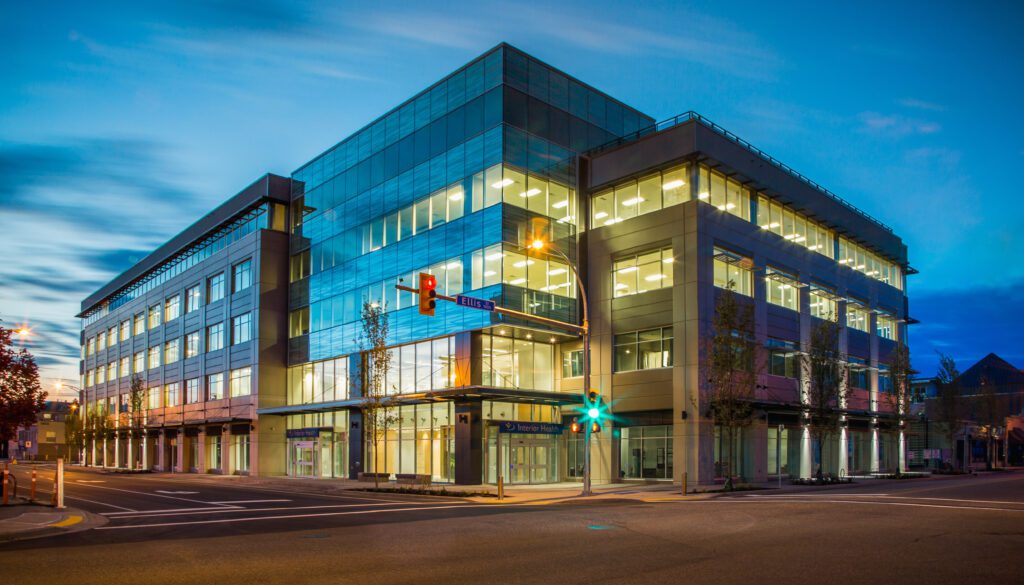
(196, 530)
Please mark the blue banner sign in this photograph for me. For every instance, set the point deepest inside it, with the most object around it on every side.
(474, 303)
(529, 428)
(308, 433)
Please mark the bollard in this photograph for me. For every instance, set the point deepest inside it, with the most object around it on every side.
(58, 488)
(684, 483)
(501, 488)
(32, 492)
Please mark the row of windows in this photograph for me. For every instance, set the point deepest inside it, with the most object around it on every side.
(323, 381)
(241, 332)
(657, 191)
(784, 360)
(642, 272)
(782, 289)
(241, 278)
(239, 383)
(263, 217)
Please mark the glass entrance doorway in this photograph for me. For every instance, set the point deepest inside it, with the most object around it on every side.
(524, 458)
(302, 459)
(325, 456)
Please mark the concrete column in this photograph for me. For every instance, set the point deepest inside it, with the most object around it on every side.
(130, 456)
(92, 451)
(902, 455)
(104, 451)
(806, 461)
(843, 461)
(200, 462)
(145, 450)
(355, 444)
(468, 443)
(601, 456)
(161, 449)
(755, 460)
(226, 466)
(874, 450)
(117, 449)
(180, 465)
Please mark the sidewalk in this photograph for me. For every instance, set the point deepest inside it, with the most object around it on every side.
(22, 520)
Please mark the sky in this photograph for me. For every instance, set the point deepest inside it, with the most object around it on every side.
(122, 123)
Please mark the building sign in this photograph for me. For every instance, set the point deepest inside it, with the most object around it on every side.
(307, 433)
(529, 428)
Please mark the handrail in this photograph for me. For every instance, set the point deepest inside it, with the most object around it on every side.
(694, 116)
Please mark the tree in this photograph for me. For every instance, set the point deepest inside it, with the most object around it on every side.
(825, 388)
(377, 403)
(899, 395)
(136, 414)
(73, 429)
(731, 372)
(21, 395)
(949, 404)
(990, 410)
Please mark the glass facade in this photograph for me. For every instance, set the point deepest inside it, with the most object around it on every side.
(646, 452)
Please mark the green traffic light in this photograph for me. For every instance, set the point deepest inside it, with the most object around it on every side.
(594, 413)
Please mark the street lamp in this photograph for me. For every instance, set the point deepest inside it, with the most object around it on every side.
(539, 245)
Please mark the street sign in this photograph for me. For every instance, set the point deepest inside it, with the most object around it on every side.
(474, 303)
(529, 428)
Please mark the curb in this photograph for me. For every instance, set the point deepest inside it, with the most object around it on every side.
(72, 520)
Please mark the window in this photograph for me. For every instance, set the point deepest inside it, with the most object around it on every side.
(241, 382)
(154, 316)
(154, 397)
(111, 371)
(215, 288)
(885, 324)
(154, 357)
(572, 363)
(732, 268)
(215, 386)
(858, 373)
(172, 308)
(516, 363)
(783, 358)
(192, 391)
(857, 316)
(884, 379)
(215, 337)
(241, 328)
(863, 260)
(112, 337)
(139, 362)
(643, 350)
(90, 346)
(126, 330)
(639, 197)
(140, 324)
(300, 266)
(724, 193)
(124, 367)
(779, 219)
(171, 351)
(90, 378)
(101, 341)
(783, 289)
(298, 322)
(193, 299)
(642, 272)
(172, 394)
(823, 303)
(241, 276)
(322, 381)
(191, 344)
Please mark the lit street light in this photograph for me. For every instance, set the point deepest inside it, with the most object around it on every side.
(593, 412)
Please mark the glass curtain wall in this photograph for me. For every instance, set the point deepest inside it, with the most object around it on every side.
(646, 452)
(517, 363)
(421, 441)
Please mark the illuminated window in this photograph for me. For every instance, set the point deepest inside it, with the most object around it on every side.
(215, 288)
(241, 382)
(857, 315)
(171, 351)
(643, 350)
(642, 272)
(154, 357)
(724, 193)
(641, 196)
(193, 299)
(172, 394)
(885, 323)
(139, 362)
(192, 392)
(172, 308)
(823, 303)
(731, 269)
(140, 324)
(794, 227)
(125, 330)
(112, 337)
(215, 337)
(783, 289)
(154, 397)
(572, 363)
(191, 344)
(215, 386)
(863, 260)
(124, 367)
(154, 316)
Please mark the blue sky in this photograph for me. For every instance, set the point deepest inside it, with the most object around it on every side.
(121, 123)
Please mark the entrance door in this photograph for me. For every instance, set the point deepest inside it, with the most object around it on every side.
(303, 459)
(532, 459)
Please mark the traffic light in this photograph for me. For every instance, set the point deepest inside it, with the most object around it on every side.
(595, 427)
(594, 411)
(428, 294)
(575, 426)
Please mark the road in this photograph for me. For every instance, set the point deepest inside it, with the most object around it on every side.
(186, 529)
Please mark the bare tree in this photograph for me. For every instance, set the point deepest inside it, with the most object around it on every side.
(950, 406)
(899, 396)
(377, 403)
(137, 413)
(990, 410)
(825, 388)
(730, 367)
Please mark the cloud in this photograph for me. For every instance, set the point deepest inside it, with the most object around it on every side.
(917, 104)
(895, 125)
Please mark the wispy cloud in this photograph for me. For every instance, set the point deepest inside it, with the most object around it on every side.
(917, 104)
(895, 125)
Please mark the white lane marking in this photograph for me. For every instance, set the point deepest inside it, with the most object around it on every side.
(197, 511)
(168, 510)
(150, 494)
(816, 496)
(811, 495)
(288, 517)
(90, 481)
(179, 492)
(249, 501)
(296, 493)
(1018, 502)
(862, 502)
(128, 510)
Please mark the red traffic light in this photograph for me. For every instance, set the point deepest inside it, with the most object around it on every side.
(575, 426)
(428, 294)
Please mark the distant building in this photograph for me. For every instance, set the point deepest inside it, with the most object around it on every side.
(245, 328)
(44, 440)
(990, 379)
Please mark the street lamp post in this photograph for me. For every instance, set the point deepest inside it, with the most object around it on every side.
(539, 245)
